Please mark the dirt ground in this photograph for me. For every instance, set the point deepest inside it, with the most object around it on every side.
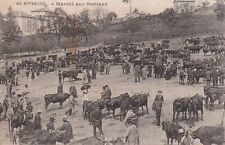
(119, 83)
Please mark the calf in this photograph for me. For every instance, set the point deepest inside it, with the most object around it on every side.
(172, 131)
(55, 98)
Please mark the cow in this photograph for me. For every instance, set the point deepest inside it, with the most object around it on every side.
(140, 100)
(180, 105)
(209, 135)
(17, 120)
(214, 93)
(89, 106)
(55, 98)
(115, 102)
(172, 131)
(71, 74)
(194, 105)
(124, 106)
(41, 137)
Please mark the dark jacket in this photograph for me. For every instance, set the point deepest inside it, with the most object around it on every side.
(96, 117)
(37, 121)
(68, 131)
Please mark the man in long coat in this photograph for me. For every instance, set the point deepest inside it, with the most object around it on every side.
(157, 106)
(60, 89)
(96, 120)
(132, 135)
(37, 120)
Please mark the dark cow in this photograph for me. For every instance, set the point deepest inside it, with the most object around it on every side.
(71, 74)
(89, 106)
(180, 105)
(55, 98)
(140, 100)
(41, 137)
(172, 131)
(214, 93)
(116, 102)
(209, 135)
(124, 106)
(195, 104)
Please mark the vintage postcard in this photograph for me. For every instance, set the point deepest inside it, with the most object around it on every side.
(112, 72)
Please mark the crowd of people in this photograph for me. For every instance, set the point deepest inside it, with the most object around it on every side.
(161, 66)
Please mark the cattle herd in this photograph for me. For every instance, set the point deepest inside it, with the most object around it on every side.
(159, 61)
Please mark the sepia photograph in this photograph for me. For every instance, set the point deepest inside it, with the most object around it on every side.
(112, 72)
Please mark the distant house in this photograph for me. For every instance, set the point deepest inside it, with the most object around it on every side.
(28, 24)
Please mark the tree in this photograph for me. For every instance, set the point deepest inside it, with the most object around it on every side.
(110, 16)
(169, 17)
(11, 31)
(85, 24)
(59, 23)
(100, 20)
(220, 9)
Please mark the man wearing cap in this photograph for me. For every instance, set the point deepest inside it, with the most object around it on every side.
(37, 120)
(67, 130)
(157, 106)
(50, 126)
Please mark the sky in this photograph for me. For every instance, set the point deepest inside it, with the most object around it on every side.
(147, 6)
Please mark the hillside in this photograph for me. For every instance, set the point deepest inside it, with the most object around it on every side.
(203, 22)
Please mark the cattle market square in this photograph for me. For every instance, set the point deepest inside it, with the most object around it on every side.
(169, 93)
(95, 78)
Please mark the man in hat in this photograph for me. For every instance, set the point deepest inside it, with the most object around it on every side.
(60, 89)
(157, 106)
(37, 120)
(60, 77)
(5, 105)
(215, 76)
(51, 126)
(107, 93)
(208, 76)
(96, 120)
(67, 130)
(182, 77)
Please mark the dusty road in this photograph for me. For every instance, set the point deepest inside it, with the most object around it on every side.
(119, 83)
